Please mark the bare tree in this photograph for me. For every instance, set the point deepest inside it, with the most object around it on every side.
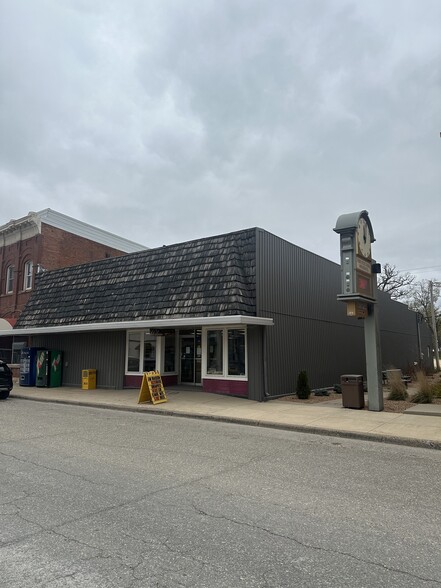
(395, 283)
(419, 300)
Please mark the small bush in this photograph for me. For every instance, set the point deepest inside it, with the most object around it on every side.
(422, 397)
(398, 394)
(303, 389)
(397, 387)
(436, 389)
(424, 394)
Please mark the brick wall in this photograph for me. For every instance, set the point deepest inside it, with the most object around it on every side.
(53, 249)
(16, 255)
(62, 249)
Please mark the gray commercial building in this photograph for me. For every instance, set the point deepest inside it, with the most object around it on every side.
(241, 313)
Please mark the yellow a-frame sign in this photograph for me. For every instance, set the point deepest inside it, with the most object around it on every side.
(152, 389)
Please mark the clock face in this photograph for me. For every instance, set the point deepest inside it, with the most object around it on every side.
(363, 237)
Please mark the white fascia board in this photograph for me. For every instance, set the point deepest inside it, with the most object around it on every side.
(82, 229)
(213, 321)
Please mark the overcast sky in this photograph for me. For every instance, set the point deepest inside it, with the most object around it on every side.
(168, 120)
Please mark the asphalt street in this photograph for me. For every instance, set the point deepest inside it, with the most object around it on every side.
(102, 498)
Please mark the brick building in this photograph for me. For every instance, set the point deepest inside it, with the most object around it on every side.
(42, 241)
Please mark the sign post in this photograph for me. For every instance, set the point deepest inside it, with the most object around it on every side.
(359, 290)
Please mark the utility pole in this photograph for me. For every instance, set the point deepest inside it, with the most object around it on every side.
(435, 333)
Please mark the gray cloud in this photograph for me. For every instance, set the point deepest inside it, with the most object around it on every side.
(165, 121)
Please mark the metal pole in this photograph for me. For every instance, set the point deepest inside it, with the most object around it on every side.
(435, 334)
(373, 354)
(420, 349)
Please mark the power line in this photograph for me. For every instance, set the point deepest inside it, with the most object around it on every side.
(414, 269)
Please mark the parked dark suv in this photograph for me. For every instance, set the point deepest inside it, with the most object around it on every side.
(5, 380)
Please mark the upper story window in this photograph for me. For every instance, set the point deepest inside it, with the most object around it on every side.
(28, 271)
(10, 279)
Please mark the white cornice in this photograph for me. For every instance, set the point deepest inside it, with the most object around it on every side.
(28, 226)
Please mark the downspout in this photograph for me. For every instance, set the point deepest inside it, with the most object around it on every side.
(265, 366)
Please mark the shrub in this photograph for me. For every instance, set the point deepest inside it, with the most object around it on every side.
(422, 397)
(398, 394)
(397, 387)
(424, 393)
(436, 389)
(303, 389)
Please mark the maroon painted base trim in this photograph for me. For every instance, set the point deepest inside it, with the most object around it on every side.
(136, 381)
(230, 387)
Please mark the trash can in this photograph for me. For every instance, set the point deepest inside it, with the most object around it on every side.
(352, 391)
(88, 379)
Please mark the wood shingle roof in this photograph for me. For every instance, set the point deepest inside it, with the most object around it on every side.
(206, 277)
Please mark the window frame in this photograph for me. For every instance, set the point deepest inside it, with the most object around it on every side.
(160, 353)
(9, 287)
(224, 375)
(222, 371)
(28, 275)
(151, 339)
(141, 352)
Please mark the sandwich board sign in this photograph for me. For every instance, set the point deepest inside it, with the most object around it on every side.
(152, 389)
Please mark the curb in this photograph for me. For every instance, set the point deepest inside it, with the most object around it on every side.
(422, 443)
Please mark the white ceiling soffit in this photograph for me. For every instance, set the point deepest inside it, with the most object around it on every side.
(214, 321)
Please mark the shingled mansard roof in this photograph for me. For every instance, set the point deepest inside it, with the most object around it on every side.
(206, 277)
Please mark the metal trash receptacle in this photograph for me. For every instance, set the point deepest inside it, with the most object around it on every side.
(88, 378)
(352, 391)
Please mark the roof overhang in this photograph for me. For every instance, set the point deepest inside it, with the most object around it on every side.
(214, 321)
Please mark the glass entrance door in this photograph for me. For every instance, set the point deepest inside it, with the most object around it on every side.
(191, 356)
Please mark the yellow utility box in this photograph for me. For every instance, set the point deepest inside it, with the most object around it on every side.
(89, 379)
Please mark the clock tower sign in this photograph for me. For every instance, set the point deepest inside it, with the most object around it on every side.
(356, 237)
(358, 291)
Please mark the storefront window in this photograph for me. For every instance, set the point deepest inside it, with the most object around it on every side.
(169, 353)
(236, 352)
(149, 353)
(214, 352)
(133, 352)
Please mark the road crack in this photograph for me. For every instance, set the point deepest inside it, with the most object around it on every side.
(315, 547)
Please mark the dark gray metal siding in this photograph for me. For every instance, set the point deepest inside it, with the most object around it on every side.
(255, 363)
(104, 352)
(399, 335)
(311, 332)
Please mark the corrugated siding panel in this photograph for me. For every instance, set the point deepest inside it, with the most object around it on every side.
(255, 363)
(399, 334)
(298, 289)
(104, 352)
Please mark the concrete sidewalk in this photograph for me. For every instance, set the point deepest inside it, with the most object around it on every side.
(329, 418)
